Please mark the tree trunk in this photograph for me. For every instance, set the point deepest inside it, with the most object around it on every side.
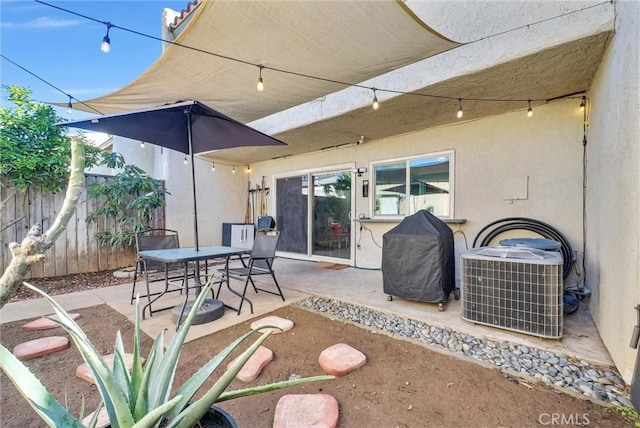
(32, 248)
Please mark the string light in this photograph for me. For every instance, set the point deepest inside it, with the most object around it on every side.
(583, 103)
(460, 113)
(109, 25)
(48, 83)
(234, 169)
(69, 106)
(142, 144)
(213, 166)
(248, 168)
(106, 41)
(260, 85)
(529, 110)
(185, 160)
(375, 104)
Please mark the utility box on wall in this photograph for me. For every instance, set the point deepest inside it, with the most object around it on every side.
(238, 234)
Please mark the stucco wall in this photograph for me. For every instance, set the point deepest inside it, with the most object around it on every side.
(221, 195)
(475, 20)
(613, 183)
(547, 148)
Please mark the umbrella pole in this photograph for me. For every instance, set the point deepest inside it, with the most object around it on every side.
(193, 183)
(195, 205)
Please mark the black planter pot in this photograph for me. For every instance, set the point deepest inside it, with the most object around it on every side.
(217, 418)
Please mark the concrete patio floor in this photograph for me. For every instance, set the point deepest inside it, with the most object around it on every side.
(301, 279)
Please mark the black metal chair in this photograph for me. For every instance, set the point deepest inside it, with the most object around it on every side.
(260, 263)
(169, 273)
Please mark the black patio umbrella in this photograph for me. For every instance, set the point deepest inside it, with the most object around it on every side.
(187, 126)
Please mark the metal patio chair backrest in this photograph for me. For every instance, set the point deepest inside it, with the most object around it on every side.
(156, 239)
(264, 246)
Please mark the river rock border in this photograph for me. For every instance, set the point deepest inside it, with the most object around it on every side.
(579, 376)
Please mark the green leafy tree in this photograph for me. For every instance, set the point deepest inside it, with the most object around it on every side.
(33, 151)
(130, 197)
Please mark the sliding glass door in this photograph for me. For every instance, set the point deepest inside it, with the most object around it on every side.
(292, 212)
(315, 224)
(331, 223)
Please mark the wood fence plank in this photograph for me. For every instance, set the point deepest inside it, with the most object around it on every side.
(77, 249)
(72, 243)
(35, 214)
(7, 225)
(48, 217)
(61, 242)
(108, 249)
(92, 230)
(22, 225)
(82, 232)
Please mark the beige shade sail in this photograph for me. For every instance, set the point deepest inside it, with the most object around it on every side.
(344, 41)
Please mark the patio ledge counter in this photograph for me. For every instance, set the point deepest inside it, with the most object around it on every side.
(398, 220)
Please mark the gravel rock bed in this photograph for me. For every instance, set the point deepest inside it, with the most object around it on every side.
(595, 382)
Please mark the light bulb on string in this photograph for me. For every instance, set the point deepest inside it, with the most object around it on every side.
(234, 169)
(529, 110)
(248, 168)
(260, 85)
(185, 160)
(213, 166)
(106, 41)
(142, 144)
(583, 104)
(375, 104)
(69, 106)
(460, 113)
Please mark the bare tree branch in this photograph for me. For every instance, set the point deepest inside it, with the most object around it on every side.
(32, 248)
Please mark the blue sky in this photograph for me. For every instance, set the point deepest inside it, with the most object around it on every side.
(64, 49)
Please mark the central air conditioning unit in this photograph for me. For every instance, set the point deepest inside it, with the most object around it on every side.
(514, 288)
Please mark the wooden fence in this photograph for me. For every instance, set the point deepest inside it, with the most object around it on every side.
(76, 250)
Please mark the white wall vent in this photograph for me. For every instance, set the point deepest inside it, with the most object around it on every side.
(513, 288)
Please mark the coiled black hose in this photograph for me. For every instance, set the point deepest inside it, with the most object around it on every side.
(537, 226)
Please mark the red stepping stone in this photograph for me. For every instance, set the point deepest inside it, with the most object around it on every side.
(45, 323)
(84, 372)
(340, 359)
(275, 321)
(254, 365)
(306, 410)
(38, 347)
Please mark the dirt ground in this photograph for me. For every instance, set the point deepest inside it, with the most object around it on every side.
(402, 384)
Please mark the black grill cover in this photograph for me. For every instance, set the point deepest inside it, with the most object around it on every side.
(418, 261)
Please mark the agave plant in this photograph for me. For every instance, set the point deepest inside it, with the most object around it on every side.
(142, 397)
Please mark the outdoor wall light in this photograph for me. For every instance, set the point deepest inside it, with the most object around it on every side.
(359, 171)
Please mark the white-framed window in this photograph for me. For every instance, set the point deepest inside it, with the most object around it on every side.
(404, 186)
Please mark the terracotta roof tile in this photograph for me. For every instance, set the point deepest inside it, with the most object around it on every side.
(191, 6)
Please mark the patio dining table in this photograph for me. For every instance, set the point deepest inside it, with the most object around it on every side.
(191, 254)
